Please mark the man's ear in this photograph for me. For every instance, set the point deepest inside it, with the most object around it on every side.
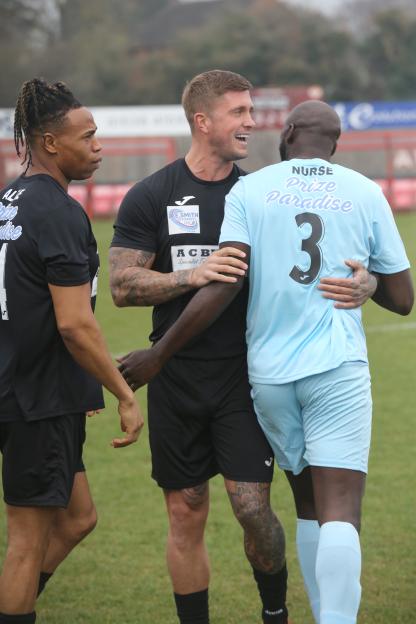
(336, 137)
(49, 142)
(289, 133)
(201, 122)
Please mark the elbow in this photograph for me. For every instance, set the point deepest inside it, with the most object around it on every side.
(73, 330)
(406, 306)
(118, 300)
(68, 332)
(403, 304)
(408, 301)
(117, 295)
(116, 290)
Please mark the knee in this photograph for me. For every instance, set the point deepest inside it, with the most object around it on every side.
(77, 527)
(85, 523)
(253, 514)
(187, 524)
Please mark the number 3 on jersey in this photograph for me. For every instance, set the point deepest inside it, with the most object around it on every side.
(310, 245)
(3, 297)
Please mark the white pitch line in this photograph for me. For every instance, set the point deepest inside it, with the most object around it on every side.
(390, 327)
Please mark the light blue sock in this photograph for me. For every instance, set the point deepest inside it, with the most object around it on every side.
(338, 569)
(307, 538)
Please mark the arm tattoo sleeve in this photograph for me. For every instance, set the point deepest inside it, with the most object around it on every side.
(134, 283)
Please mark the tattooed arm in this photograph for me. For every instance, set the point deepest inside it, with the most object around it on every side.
(133, 282)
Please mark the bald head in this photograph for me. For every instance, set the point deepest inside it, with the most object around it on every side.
(311, 130)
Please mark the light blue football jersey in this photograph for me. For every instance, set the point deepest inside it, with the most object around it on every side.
(302, 218)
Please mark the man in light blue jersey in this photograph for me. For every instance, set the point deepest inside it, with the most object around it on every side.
(307, 359)
(297, 221)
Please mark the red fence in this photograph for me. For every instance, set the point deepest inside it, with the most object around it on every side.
(395, 169)
(389, 157)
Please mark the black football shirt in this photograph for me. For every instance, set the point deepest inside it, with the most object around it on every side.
(178, 217)
(45, 238)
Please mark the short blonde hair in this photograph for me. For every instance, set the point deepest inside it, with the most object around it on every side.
(204, 88)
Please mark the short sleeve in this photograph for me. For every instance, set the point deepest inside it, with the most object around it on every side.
(234, 226)
(387, 252)
(63, 245)
(136, 224)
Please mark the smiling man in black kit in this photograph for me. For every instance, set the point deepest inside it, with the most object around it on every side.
(201, 418)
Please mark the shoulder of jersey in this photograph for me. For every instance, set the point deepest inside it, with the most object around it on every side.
(50, 190)
(263, 172)
(356, 176)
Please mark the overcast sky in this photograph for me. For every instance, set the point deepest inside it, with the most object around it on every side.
(327, 6)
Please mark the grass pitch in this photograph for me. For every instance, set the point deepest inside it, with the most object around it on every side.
(118, 575)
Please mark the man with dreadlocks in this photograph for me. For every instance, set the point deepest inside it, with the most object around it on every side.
(53, 357)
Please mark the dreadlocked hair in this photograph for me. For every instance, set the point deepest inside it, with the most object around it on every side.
(38, 105)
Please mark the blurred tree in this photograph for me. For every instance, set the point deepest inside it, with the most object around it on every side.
(86, 44)
(90, 52)
(95, 47)
(272, 44)
(17, 16)
(22, 28)
(359, 14)
(389, 54)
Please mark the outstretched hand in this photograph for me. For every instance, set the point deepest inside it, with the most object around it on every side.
(351, 292)
(131, 422)
(139, 367)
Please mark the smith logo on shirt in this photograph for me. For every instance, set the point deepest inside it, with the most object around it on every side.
(183, 219)
(190, 256)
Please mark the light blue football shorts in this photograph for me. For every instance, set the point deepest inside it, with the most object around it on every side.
(321, 420)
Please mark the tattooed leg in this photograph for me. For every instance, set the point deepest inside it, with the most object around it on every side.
(264, 542)
(264, 538)
(187, 556)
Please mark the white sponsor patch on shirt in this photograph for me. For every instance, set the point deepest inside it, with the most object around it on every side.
(183, 219)
(190, 256)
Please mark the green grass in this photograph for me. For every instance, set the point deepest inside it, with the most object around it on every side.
(118, 575)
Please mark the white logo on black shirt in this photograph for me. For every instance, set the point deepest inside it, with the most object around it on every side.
(7, 213)
(184, 200)
(184, 219)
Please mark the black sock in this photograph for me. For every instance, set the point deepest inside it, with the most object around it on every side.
(272, 590)
(192, 608)
(43, 579)
(26, 618)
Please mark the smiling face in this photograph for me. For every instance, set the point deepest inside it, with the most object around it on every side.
(228, 125)
(78, 152)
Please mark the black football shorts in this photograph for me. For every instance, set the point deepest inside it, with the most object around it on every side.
(40, 459)
(202, 422)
